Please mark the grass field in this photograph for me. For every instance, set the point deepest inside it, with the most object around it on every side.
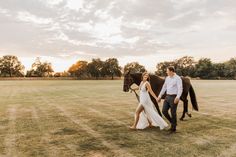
(91, 118)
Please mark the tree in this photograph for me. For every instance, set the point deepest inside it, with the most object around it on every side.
(219, 70)
(185, 66)
(61, 74)
(161, 67)
(79, 69)
(11, 66)
(231, 68)
(204, 68)
(40, 69)
(95, 67)
(46, 69)
(111, 68)
(134, 67)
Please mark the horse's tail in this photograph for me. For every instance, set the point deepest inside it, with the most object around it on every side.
(193, 98)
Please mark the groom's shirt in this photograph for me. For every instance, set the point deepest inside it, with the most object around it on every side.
(172, 86)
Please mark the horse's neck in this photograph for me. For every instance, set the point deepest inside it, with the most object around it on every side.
(138, 82)
(157, 78)
(156, 83)
(160, 79)
(137, 79)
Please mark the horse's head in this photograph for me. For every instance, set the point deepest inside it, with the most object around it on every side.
(128, 81)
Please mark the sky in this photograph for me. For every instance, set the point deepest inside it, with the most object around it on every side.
(147, 31)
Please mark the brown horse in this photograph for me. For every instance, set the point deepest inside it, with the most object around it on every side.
(157, 83)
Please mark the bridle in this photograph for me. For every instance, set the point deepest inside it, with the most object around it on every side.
(128, 81)
(128, 84)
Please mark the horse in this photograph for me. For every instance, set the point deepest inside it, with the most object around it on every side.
(156, 83)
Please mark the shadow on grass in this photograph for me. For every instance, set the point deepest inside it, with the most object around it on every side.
(65, 131)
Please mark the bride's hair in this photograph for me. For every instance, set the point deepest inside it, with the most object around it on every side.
(143, 74)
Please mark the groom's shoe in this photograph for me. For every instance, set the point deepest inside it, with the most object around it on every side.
(173, 130)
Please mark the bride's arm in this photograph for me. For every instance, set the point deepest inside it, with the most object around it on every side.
(137, 88)
(151, 91)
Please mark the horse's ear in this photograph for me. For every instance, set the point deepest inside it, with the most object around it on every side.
(128, 72)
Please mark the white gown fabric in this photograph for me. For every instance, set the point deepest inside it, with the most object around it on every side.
(149, 112)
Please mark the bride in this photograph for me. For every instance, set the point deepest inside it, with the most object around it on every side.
(146, 113)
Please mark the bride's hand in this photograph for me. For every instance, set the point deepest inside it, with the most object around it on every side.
(132, 89)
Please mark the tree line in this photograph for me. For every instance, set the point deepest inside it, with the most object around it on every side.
(10, 66)
(204, 68)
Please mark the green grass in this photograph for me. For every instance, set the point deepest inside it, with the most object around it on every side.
(91, 118)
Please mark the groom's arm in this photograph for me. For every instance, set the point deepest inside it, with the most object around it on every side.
(180, 87)
(163, 89)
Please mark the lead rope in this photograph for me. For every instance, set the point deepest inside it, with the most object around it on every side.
(137, 96)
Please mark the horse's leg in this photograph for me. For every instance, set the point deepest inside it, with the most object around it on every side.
(183, 115)
(185, 110)
(157, 107)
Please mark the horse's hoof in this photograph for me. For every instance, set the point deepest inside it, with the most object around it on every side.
(182, 119)
(190, 115)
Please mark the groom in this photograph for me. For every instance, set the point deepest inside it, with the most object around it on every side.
(173, 87)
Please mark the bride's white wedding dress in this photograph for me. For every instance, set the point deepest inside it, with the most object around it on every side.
(150, 113)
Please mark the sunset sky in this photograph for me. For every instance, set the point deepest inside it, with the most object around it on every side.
(147, 31)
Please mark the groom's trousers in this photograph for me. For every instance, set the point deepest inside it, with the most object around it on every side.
(169, 104)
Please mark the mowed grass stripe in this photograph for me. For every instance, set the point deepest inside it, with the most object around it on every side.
(28, 130)
(10, 139)
(51, 150)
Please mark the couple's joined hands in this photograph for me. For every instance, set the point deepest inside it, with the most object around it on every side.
(158, 99)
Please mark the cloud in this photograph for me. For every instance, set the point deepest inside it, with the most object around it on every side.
(111, 28)
(28, 17)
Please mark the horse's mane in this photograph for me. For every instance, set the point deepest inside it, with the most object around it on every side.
(151, 75)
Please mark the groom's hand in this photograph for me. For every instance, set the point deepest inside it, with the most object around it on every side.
(176, 101)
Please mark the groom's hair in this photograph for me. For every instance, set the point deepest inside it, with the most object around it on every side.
(171, 68)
